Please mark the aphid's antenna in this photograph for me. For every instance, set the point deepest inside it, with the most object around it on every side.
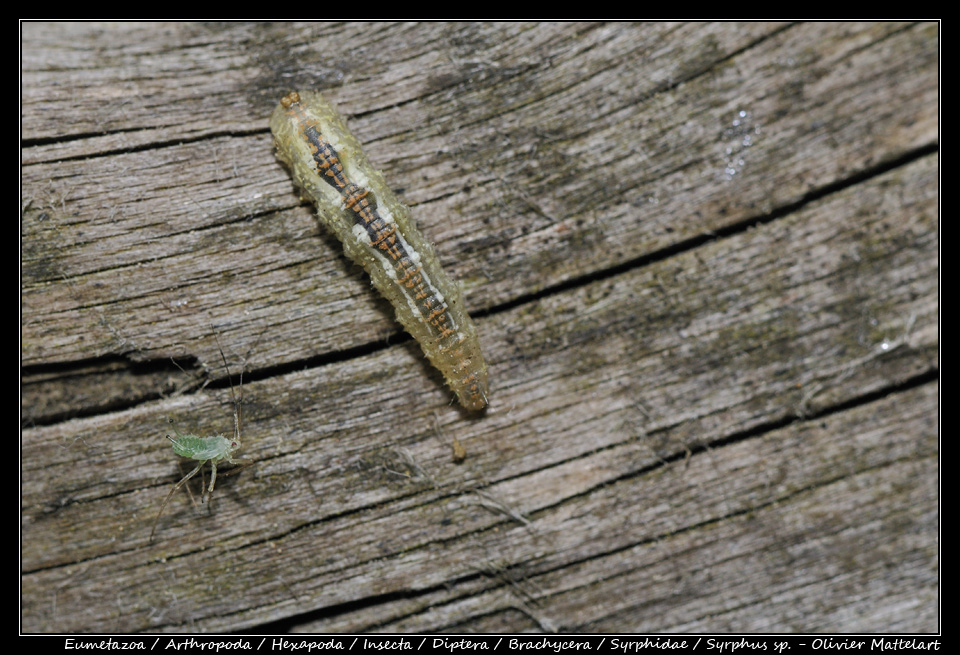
(237, 405)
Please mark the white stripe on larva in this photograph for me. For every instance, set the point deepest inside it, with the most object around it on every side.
(377, 232)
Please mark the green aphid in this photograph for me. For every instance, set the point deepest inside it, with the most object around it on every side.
(215, 450)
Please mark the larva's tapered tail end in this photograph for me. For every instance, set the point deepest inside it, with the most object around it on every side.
(474, 404)
(472, 392)
(462, 364)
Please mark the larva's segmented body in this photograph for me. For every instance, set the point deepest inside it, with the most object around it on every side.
(377, 232)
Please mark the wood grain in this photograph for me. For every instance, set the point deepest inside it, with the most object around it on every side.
(703, 262)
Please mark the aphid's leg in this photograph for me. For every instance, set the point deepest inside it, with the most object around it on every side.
(193, 501)
(170, 495)
(203, 486)
(213, 477)
(239, 465)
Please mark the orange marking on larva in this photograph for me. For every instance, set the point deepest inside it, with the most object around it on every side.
(384, 240)
(418, 287)
(409, 274)
(378, 233)
(353, 195)
(393, 249)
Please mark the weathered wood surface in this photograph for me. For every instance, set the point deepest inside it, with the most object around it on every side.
(703, 261)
